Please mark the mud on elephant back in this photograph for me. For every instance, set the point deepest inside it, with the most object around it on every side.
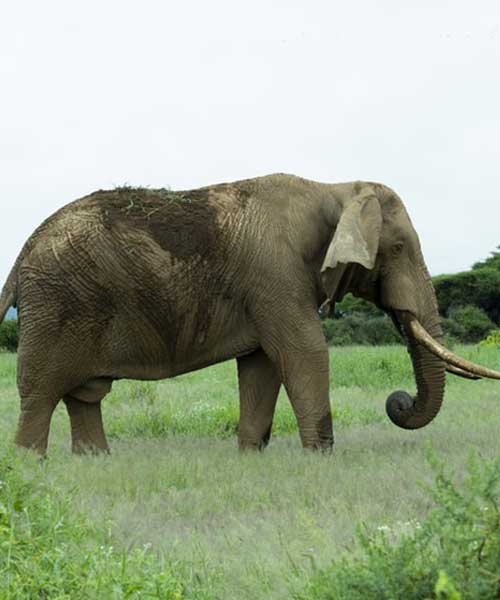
(150, 283)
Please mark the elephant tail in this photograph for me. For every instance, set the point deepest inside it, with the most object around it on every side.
(8, 297)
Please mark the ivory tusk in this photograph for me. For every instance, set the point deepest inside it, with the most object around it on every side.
(461, 373)
(426, 340)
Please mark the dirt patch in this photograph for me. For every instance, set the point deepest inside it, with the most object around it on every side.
(182, 223)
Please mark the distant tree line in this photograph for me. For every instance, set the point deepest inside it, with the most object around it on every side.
(469, 303)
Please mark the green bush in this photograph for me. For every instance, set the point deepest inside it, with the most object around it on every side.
(344, 331)
(469, 324)
(48, 550)
(493, 339)
(8, 336)
(380, 331)
(352, 305)
(360, 329)
(454, 554)
(453, 330)
(480, 287)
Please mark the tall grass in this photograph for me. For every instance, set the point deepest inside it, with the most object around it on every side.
(178, 506)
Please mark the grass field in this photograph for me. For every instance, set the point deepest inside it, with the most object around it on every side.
(176, 512)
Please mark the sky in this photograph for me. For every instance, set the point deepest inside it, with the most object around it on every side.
(187, 93)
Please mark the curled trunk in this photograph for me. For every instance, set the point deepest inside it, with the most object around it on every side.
(413, 413)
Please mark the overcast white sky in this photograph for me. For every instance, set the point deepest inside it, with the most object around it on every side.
(188, 93)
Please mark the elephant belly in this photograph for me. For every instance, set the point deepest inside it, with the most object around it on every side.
(227, 336)
(155, 352)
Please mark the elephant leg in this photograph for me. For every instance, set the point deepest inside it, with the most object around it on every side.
(297, 346)
(307, 381)
(259, 383)
(34, 422)
(87, 431)
(84, 409)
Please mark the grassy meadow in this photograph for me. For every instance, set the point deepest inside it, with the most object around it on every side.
(176, 512)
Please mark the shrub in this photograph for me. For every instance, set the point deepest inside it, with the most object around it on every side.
(352, 305)
(48, 550)
(328, 328)
(470, 324)
(454, 554)
(381, 331)
(453, 330)
(9, 336)
(492, 340)
(360, 329)
(480, 287)
(345, 331)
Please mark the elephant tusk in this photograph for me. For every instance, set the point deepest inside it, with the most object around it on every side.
(426, 340)
(461, 373)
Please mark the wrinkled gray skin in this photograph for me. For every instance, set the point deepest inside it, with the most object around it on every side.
(148, 284)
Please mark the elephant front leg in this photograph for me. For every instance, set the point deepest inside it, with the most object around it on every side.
(259, 383)
(306, 381)
(299, 350)
(87, 431)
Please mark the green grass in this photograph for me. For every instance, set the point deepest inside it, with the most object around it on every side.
(177, 512)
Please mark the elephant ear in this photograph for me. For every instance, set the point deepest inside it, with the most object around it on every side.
(356, 240)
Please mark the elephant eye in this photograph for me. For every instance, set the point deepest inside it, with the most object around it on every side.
(397, 248)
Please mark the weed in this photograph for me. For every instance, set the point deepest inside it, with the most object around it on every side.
(453, 554)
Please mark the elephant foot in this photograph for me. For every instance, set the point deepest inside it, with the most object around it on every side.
(251, 446)
(87, 431)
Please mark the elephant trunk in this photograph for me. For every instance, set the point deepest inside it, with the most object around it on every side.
(413, 413)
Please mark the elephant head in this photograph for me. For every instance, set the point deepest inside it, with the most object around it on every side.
(375, 254)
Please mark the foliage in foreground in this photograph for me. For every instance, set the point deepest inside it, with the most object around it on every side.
(49, 551)
(454, 554)
(152, 491)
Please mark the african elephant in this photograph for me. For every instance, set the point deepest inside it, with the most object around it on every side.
(150, 283)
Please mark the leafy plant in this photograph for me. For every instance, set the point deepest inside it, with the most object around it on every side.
(454, 554)
(353, 305)
(359, 328)
(479, 287)
(470, 323)
(493, 339)
(50, 551)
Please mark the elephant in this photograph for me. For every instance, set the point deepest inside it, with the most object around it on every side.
(140, 283)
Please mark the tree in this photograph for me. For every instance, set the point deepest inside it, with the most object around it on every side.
(480, 287)
(492, 261)
(468, 324)
(351, 305)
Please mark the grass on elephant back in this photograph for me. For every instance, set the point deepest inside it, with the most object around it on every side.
(176, 512)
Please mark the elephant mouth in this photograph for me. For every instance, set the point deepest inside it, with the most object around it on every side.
(410, 328)
(397, 323)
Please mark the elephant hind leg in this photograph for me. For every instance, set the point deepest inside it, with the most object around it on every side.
(34, 421)
(84, 409)
(259, 384)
